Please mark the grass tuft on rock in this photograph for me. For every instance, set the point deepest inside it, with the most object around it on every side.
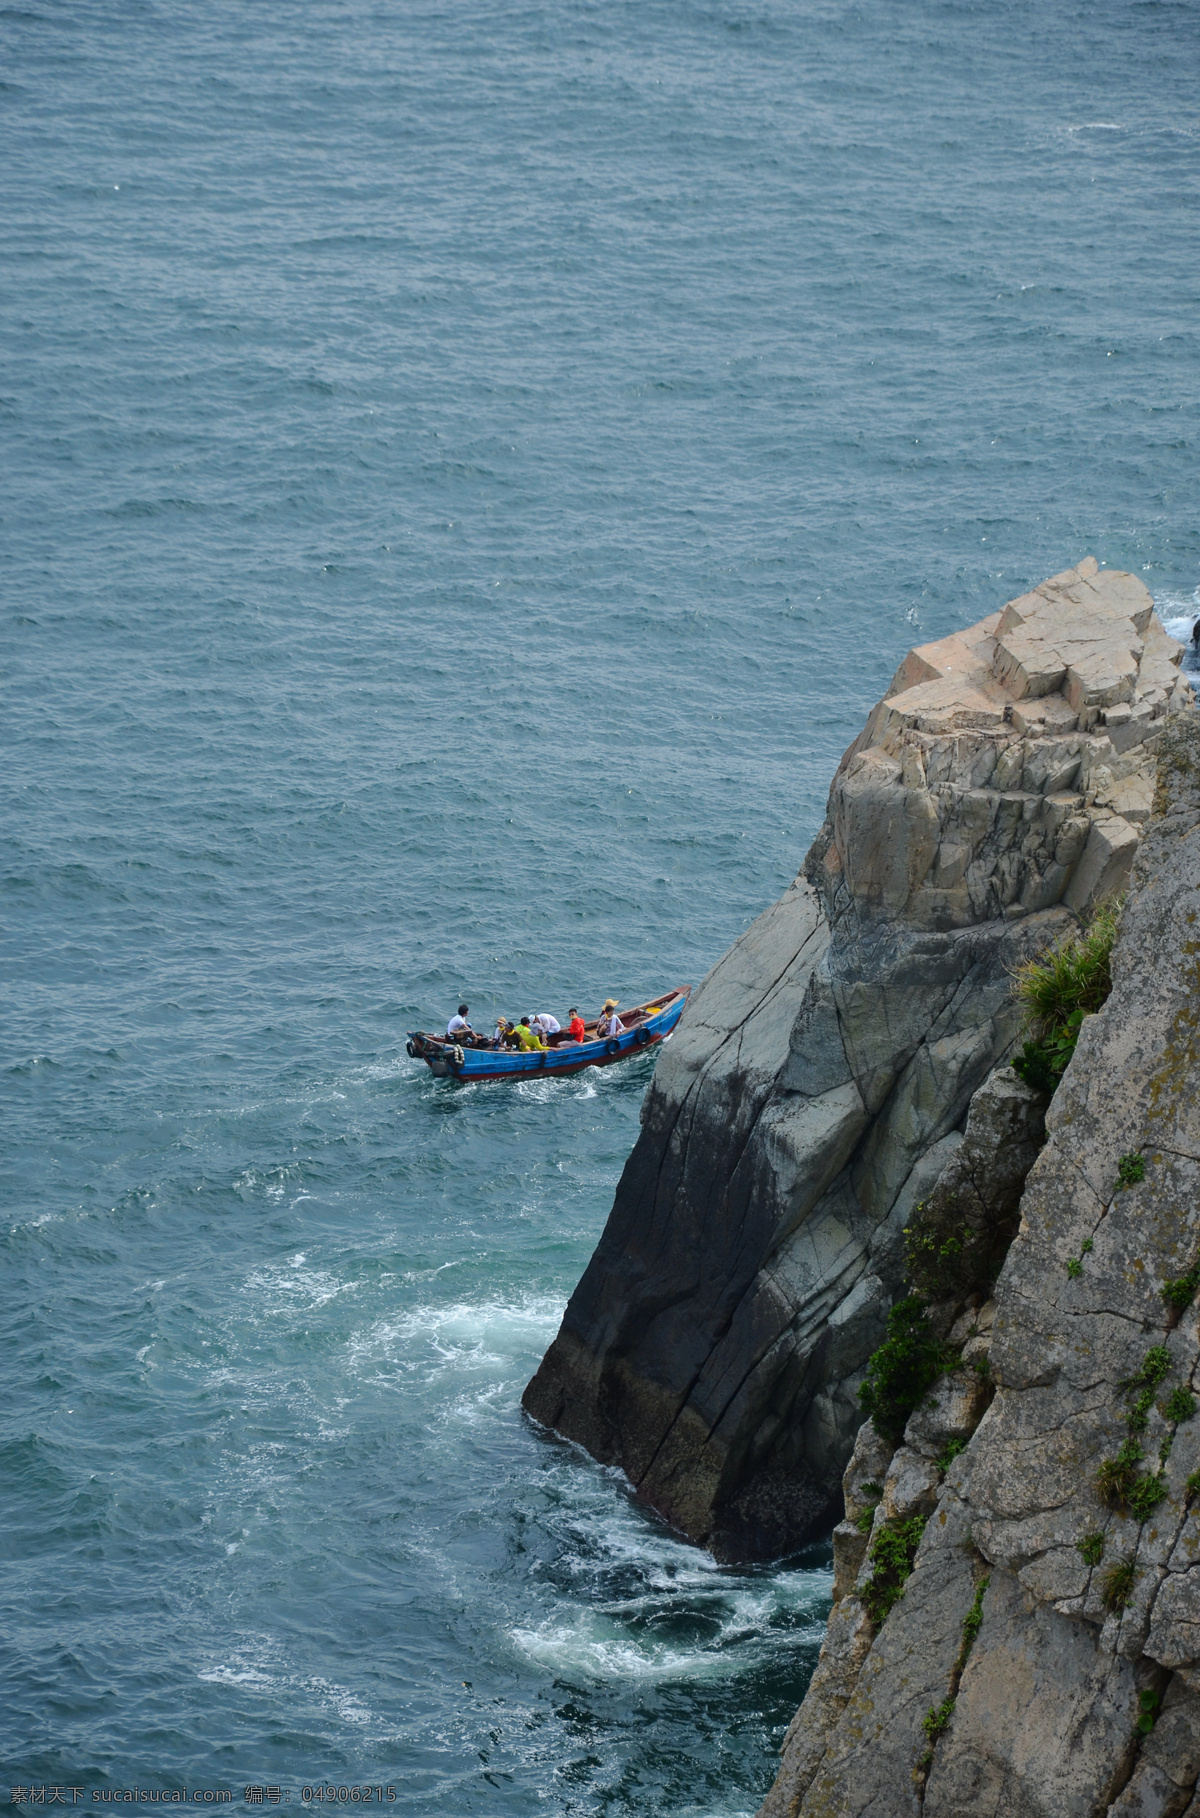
(1092, 1548)
(1131, 1169)
(1179, 1405)
(1075, 974)
(973, 1622)
(1117, 1476)
(892, 1557)
(903, 1370)
(1181, 1292)
(1145, 1496)
(1118, 1481)
(936, 1718)
(1116, 1587)
(1154, 1366)
(949, 1452)
(1057, 990)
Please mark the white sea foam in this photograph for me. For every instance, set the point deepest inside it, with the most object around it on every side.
(631, 1602)
(298, 1689)
(598, 1650)
(625, 1639)
(583, 1085)
(463, 1337)
(277, 1291)
(1178, 612)
(413, 1275)
(236, 1675)
(271, 1183)
(349, 1708)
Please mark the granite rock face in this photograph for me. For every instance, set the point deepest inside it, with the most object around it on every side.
(1092, 1605)
(960, 1233)
(818, 1082)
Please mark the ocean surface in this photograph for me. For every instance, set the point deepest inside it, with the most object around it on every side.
(465, 472)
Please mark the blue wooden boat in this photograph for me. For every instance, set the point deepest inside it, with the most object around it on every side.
(645, 1025)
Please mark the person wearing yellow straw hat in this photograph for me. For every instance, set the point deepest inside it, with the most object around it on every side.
(609, 1023)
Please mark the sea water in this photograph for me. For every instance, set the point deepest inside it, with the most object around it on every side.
(467, 471)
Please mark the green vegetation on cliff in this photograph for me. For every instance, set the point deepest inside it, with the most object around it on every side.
(1057, 990)
(892, 1556)
(903, 1370)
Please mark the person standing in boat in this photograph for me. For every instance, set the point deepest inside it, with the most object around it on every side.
(609, 1023)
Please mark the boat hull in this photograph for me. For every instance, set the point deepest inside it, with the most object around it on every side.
(503, 1064)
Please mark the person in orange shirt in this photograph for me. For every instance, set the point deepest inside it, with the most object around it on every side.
(575, 1029)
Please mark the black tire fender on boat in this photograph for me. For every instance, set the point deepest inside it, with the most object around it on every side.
(411, 1046)
(612, 1046)
(642, 1037)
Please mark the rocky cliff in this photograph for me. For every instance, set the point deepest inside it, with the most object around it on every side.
(1042, 1656)
(819, 1081)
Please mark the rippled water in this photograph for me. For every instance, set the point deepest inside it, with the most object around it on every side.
(467, 471)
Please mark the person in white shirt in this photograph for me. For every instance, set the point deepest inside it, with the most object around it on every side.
(458, 1026)
(609, 1023)
(550, 1028)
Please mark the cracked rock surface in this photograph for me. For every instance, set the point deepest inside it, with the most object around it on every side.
(819, 1079)
(1045, 1717)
